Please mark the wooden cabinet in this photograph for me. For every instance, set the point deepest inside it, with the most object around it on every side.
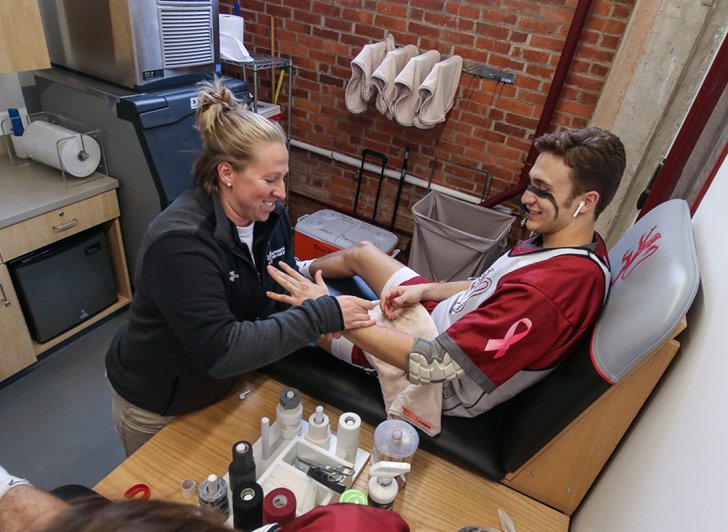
(37, 209)
(22, 41)
(39, 231)
(17, 348)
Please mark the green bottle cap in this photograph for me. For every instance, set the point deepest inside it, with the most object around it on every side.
(354, 497)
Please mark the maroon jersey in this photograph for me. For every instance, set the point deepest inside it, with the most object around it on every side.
(518, 319)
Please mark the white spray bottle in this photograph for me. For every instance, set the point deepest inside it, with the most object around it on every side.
(383, 487)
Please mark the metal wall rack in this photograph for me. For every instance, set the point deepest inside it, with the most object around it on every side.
(262, 62)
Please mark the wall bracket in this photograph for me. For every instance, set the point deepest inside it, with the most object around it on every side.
(488, 72)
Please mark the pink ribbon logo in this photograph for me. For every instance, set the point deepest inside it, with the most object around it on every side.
(503, 344)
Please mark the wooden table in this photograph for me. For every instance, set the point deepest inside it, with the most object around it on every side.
(438, 495)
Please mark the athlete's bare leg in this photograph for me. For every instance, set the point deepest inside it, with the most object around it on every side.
(363, 259)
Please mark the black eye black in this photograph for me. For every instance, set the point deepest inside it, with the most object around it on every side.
(541, 193)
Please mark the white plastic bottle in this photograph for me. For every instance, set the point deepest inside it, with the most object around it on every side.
(383, 487)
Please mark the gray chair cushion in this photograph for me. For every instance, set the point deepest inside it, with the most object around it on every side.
(654, 281)
(655, 278)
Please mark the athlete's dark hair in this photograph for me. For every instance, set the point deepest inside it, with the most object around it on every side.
(139, 515)
(595, 156)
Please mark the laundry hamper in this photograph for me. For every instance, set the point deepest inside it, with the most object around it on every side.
(454, 239)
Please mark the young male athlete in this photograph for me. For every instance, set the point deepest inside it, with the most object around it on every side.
(511, 326)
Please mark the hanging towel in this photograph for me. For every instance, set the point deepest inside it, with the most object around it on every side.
(359, 90)
(384, 76)
(406, 97)
(418, 404)
(437, 92)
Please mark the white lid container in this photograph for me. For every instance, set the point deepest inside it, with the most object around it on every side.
(342, 231)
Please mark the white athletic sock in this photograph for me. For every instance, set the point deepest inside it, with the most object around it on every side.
(341, 348)
(8, 481)
(303, 266)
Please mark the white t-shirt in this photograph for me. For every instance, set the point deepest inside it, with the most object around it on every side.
(246, 237)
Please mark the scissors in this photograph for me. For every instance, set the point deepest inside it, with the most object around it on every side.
(336, 473)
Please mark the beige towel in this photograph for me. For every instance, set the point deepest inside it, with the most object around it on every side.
(359, 90)
(384, 76)
(407, 98)
(418, 404)
(437, 92)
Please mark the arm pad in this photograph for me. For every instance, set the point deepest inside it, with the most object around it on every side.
(429, 362)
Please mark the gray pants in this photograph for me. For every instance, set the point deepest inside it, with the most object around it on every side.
(134, 425)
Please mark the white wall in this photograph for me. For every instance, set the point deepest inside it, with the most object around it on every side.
(10, 94)
(668, 474)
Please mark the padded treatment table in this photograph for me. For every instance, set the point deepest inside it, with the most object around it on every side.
(552, 440)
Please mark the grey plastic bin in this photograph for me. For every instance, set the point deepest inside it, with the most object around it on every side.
(454, 239)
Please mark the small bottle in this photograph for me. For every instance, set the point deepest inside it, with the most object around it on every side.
(383, 488)
(395, 441)
(16, 138)
(353, 496)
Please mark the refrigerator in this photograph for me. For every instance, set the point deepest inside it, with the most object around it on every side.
(63, 284)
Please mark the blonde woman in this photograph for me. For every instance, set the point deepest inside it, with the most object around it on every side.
(200, 315)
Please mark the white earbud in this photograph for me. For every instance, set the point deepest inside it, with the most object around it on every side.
(578, 209)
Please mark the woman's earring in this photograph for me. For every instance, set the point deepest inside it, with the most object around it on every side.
(228, 184)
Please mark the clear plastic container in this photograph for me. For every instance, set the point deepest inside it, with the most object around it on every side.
(395, 441)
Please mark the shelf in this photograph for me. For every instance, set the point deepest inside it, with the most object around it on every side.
(260, 62)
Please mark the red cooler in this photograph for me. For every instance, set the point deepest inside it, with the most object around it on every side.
(326, 231)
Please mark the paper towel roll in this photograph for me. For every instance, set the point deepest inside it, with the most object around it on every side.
(233, 26)
(231, 39)
(61, 148)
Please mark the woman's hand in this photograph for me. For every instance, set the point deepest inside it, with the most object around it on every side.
(330, 337)
(298, 287)
(356, 311)
(400, 297)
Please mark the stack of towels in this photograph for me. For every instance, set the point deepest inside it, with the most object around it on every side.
(412, 88)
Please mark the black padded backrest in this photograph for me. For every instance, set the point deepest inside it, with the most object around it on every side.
(654, 281)
(540, 412)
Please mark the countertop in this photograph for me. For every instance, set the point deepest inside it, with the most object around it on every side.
(27, 191)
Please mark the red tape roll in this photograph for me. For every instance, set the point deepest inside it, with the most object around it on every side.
(279, 506)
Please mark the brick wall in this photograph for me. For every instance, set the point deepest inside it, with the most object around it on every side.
(490, 126)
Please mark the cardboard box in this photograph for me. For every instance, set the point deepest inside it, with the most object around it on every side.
(269, 110)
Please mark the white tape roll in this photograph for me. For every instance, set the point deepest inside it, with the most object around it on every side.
(289, 421)
(318, 431)
(347, 436)
(61, 148)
